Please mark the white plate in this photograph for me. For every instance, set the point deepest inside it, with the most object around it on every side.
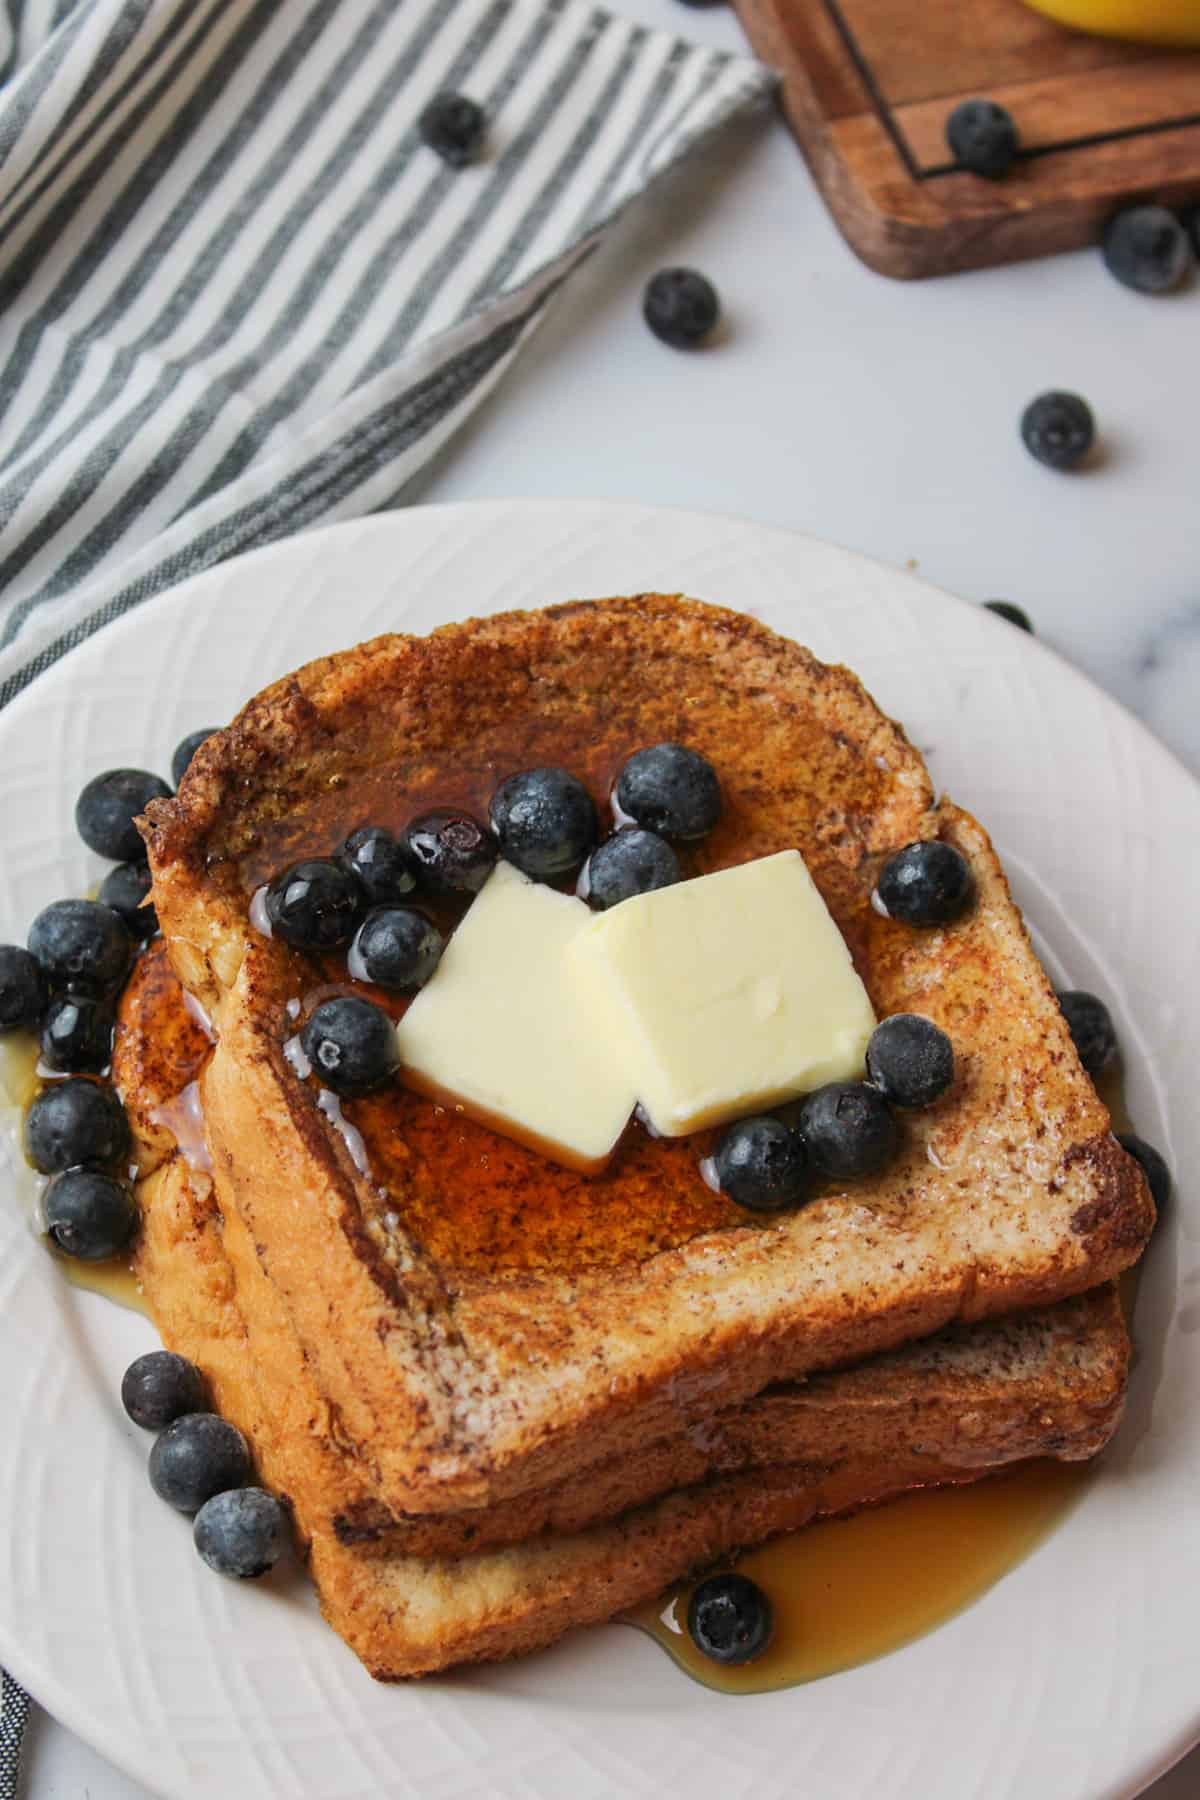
(1076, 1678)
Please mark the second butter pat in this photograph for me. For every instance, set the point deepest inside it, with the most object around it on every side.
(724, 995)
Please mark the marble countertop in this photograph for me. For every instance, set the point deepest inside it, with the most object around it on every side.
(878, 414)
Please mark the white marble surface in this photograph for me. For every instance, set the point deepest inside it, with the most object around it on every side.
(881, 415)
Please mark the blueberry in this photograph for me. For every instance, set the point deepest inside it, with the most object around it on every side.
(72, 1122)
(848, 1129)
(1058, 429)
(729, 1619)
(89, 1215)
(314, 905)
(351, 1045)
(910, 1060)
(22, 991)
(124, 888)
(1092, 1030)
(982, 137)
(1153, 1165)
(1016, 615)
(761, 1163)
(185, 749)
(241, 1533)
(1191, 224)
(681, 307)
(82, 947)
(196, 1457)
(454, 126)
(395, 948)
(107, 807)
(671, 790)
(630, 862)
(77, 1035)
(383, 868)
(159, 1387)
(1147, 248)
(454, 852)
(926, 883)
(545, 821)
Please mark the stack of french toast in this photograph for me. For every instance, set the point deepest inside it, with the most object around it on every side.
(503, 1397)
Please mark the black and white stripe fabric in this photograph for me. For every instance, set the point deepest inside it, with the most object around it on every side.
(238, 296)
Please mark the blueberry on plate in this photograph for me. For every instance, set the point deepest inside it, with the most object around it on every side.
(82, 947)
(848, 1130)
(1092, 1030)
(382, 867)
(982, 137)
(351, 1045)
(454, 126)
(395, 948)
(185, 749)
(729, 1619)
(89, 1215)
(159, 1387)
(910, 1060)
(1146, 247)
(1016, 615)
(545, 821)
(197, 1456)
(314, 905)
(926, 883)
(241, 1532)
(681, 307)
(1058, 429)
(761, 1164)
(454, 853)
(124, 889)
(630, 862)
(77, 1035)
(22, 990)
(1154, 1167)
(107, 807)
(669, 789)
(72, 1122)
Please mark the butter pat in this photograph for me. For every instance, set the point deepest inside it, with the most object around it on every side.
(499, 1032)
(725, 994)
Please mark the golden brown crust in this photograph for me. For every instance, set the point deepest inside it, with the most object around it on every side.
(458, 1385)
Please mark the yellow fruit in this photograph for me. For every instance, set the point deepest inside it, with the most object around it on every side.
(1151, 21)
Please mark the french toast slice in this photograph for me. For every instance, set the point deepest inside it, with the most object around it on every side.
(478, 1339)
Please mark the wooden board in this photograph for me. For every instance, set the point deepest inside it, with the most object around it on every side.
(868, 86)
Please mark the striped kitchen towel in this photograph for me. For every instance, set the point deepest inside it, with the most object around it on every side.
(238, 296)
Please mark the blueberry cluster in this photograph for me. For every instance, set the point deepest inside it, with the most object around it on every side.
(200, 1465)
(366, 897)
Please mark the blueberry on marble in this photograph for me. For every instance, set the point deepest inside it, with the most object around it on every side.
(89, 1215)
(107, 807)
(351, 1045)
(761, 1163)
(124, 889)
(382, 866)
(544, 821)
(160, 1387)
(197, 1456)
(22, 990)
(926, 883)
(395, 948)
(1092, 1030)
(77, 1035)
(241, 1533)
(314, 905)
(910, 1060)
(729, 1619)
(1146, 248)
(72, 1122)
(1154, 1167)
(681, 307)
(185, 749)
(1016, 615)
(983, 137)
(630, 862)
(454, 126)
(1058, 429)
(671, 790)
(452, 851)
(848, 1130)
(82, 947)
